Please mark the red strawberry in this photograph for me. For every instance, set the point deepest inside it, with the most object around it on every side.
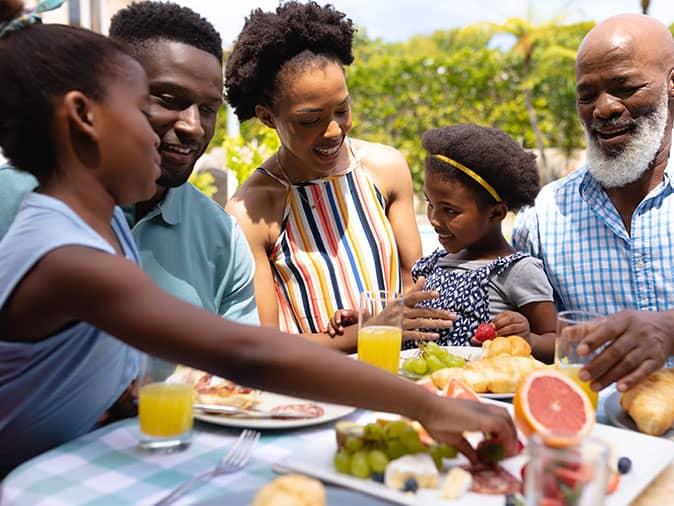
(485, 332)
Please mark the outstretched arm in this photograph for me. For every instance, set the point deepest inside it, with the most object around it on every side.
(116, 296)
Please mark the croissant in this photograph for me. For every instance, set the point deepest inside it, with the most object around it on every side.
(510, 345)
(499, 375)
(651, 402)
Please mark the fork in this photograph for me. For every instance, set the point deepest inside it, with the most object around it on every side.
(234, 460)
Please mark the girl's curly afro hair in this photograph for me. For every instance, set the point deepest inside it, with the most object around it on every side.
(492, 154)
(304, 33)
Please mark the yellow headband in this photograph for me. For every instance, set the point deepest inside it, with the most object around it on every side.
(472, 174)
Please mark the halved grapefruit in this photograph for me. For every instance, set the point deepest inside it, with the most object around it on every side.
(551, 405)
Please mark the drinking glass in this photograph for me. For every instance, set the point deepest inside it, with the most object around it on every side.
(571, 476)
(567, 359)
(380, 329)
(164, 410)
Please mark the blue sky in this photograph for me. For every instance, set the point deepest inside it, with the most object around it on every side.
(399, 19)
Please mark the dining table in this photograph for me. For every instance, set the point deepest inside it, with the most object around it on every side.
(106, 467)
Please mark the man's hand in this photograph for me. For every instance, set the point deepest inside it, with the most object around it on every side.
(639, 344)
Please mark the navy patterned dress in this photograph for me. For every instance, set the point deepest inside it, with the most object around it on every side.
(463, 292)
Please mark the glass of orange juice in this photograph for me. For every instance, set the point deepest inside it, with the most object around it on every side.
(567, 359)
(380, 329)
(164, 411)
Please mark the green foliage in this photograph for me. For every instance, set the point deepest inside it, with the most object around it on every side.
(401, 89)
(247, 151)
(204, 182)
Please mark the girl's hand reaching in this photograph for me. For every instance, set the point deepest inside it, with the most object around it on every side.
(508, 323)
(414, 318)
(450, 418)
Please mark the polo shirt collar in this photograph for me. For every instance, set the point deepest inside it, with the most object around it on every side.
(171, 208)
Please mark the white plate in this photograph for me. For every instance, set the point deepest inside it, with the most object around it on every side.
(269, 401)
(468, 352)
(649, 456)
(619, 417)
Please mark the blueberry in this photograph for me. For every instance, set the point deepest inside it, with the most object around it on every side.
(513, 500)
(378, 477)
(624, 465)
(410, 485)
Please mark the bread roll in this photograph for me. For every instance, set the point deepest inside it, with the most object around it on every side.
(651, 403)
(510, 345)
(291, 490)
(499, 374)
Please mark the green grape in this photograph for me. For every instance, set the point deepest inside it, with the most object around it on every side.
(342, 461)
(394, 449)
(419, 366)
(410, 440)
(353, 444)
(447, 451)
(373, 432)
(407, 366)
(434, 363)
(432, 347)
(442, 352)
(360, 467)
(377, 460)
(393, 430)
(436, 455)
(454, 361)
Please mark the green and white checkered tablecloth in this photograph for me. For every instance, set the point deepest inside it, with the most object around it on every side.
(105, 468)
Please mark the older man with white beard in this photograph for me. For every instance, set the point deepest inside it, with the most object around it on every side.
(605, 233)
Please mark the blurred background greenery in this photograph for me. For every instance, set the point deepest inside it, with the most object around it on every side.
(517, 76)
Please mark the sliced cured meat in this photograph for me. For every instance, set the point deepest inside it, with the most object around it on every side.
(308, 410)
(493, 480)
(211, 389)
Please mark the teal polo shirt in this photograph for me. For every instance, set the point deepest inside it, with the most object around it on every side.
(193, 249)
(188, 245)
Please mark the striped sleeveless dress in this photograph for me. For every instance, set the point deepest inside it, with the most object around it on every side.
(335, 242)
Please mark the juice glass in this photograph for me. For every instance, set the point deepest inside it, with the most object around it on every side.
(380, 329)
(570, 476)
(164, 413)
(567, 359)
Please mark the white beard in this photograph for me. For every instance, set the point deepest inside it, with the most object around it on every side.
(613, 170)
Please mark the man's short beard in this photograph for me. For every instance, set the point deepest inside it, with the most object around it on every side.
(616, 169)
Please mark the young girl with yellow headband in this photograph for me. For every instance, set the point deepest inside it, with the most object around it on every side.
(473, 177)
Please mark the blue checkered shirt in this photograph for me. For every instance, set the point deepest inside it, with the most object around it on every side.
(592, 262)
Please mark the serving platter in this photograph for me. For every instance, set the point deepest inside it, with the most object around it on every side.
(470, 353)
(649, 456)
(619, 417)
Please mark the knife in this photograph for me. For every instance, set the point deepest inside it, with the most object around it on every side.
(235, 412)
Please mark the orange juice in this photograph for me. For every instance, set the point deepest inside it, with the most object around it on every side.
(572, 372)
(379, 345)
(165, 409)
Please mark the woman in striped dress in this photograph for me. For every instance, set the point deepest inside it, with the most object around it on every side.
(327, 216)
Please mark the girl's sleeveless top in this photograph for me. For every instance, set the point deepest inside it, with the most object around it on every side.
(463, 292)
(54, 390)
(335, 243)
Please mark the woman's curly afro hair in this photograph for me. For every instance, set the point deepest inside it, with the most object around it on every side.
(492, 154)
(269, 40)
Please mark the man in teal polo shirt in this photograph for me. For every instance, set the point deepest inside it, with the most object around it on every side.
(188, 244)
